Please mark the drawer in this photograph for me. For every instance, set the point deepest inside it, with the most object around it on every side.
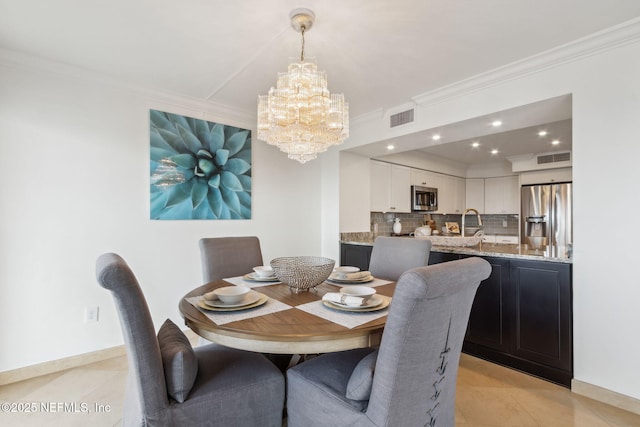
(512, 240)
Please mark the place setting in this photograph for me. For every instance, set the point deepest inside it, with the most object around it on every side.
(232, 303)
(351, 307)
(359, 299)
(349, 275)
(262, 275)
(232, 298)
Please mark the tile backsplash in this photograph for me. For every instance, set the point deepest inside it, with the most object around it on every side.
(492, 224)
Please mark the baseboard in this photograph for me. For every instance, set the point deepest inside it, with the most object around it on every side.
(32, 371)
(606, 396)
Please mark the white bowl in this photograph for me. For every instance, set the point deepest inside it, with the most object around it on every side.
(231, 294)
(264, 271)
(341, 272)
(358, 291)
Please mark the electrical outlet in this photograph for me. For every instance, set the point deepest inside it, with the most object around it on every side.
(504, 223)
(91, 314)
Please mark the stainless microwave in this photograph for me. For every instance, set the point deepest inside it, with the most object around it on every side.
(424, 199)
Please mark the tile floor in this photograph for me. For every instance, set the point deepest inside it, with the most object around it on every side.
(488, 395)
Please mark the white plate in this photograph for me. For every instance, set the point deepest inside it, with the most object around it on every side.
(249, 298)
(366, 279)
(346, 269)
(383, 304)
(374, 301)
(255, 278)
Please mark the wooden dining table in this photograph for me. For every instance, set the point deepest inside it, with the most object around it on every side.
(289, 331)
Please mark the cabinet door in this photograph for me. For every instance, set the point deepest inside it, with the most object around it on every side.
(502, 195)
(474, 194)
(440, 257)
(355, 255)
(400, 189)
(489, 320)
(459, 194)
(390, 187)
(542, 325)
(380, 186)
(420, 177)
(512, 195)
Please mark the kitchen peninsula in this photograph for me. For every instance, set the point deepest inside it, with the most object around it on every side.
(522, 314)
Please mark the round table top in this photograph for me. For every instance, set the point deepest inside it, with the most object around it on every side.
(290, 331)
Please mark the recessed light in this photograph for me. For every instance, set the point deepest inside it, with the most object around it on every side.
(542, 133)
(555, 142)
(475, 144)
(496, 123)
(390, 147)
(435, 137)
(494, 151)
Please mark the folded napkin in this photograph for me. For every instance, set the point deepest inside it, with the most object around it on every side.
(344, 299)
(353, 276)
(210, 296)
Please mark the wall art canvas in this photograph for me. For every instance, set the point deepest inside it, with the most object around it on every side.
(199, 169)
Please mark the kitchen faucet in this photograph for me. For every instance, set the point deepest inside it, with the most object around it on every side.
(465, 213)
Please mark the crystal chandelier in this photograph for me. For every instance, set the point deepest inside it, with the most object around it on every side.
(299, 115)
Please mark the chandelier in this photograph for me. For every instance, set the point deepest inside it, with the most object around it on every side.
(299, 115)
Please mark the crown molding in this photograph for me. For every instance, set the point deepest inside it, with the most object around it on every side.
(602, 41)
(26, 62)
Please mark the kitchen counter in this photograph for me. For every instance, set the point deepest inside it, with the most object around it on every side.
(551, 254)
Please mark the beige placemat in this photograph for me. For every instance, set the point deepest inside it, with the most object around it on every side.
(222, 317)
(239, 280)
(348, 319)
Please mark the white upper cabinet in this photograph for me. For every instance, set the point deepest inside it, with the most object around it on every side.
(390, 187)
(502, 195)
(475, 194)
(423, 178)
(354, 203)
(454, 195)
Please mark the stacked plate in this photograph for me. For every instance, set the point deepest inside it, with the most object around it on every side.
(374, 303)
(250, 300)
(262, 273)
(349, 275)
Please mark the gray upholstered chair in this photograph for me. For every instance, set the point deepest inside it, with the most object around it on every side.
(392, 256)
(411, 379)
(229, 256)
(171, 384)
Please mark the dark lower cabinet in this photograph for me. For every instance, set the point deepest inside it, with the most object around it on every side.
(521, 316)
(542, 313)
(355, 255)
(488, 322)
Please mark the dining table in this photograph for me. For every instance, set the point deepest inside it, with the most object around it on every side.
(284, 321)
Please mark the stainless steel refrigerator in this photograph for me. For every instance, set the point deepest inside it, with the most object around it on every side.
(546, 215)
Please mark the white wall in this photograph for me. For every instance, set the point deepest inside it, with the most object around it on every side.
(604, 77)
(74, 180)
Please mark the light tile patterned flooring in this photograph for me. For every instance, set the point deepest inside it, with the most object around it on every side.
(487, 395)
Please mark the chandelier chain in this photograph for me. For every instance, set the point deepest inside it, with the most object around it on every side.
(302, 50)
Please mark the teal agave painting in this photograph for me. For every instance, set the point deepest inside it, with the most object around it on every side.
(199, 169)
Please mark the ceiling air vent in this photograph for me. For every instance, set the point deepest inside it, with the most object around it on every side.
(402, 118)
(553, 158)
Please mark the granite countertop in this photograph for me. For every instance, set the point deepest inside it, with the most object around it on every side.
(549, 253)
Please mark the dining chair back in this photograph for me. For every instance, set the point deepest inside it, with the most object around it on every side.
(224, 257)
(411, 379)
(171, 384)
(392, 256)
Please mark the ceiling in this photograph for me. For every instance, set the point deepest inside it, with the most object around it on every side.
(517, 135)
(378, 53)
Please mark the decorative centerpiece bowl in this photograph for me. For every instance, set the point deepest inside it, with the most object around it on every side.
(302, 273)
